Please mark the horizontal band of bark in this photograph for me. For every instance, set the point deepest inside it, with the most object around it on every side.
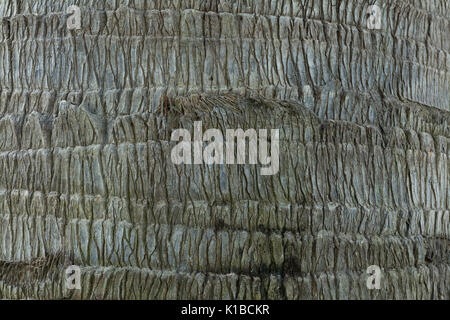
(145, 284)
(343, 173)
(177, 247)
(210, 67)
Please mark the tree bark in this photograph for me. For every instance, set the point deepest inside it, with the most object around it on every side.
(86, 176)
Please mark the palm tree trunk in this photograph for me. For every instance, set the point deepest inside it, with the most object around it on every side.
(86, 176)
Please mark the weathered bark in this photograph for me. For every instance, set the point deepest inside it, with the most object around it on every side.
(85, 170)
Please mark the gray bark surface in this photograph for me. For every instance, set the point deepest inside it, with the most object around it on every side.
(86, 176)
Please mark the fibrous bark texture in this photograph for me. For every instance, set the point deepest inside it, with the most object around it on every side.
(86, 176)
